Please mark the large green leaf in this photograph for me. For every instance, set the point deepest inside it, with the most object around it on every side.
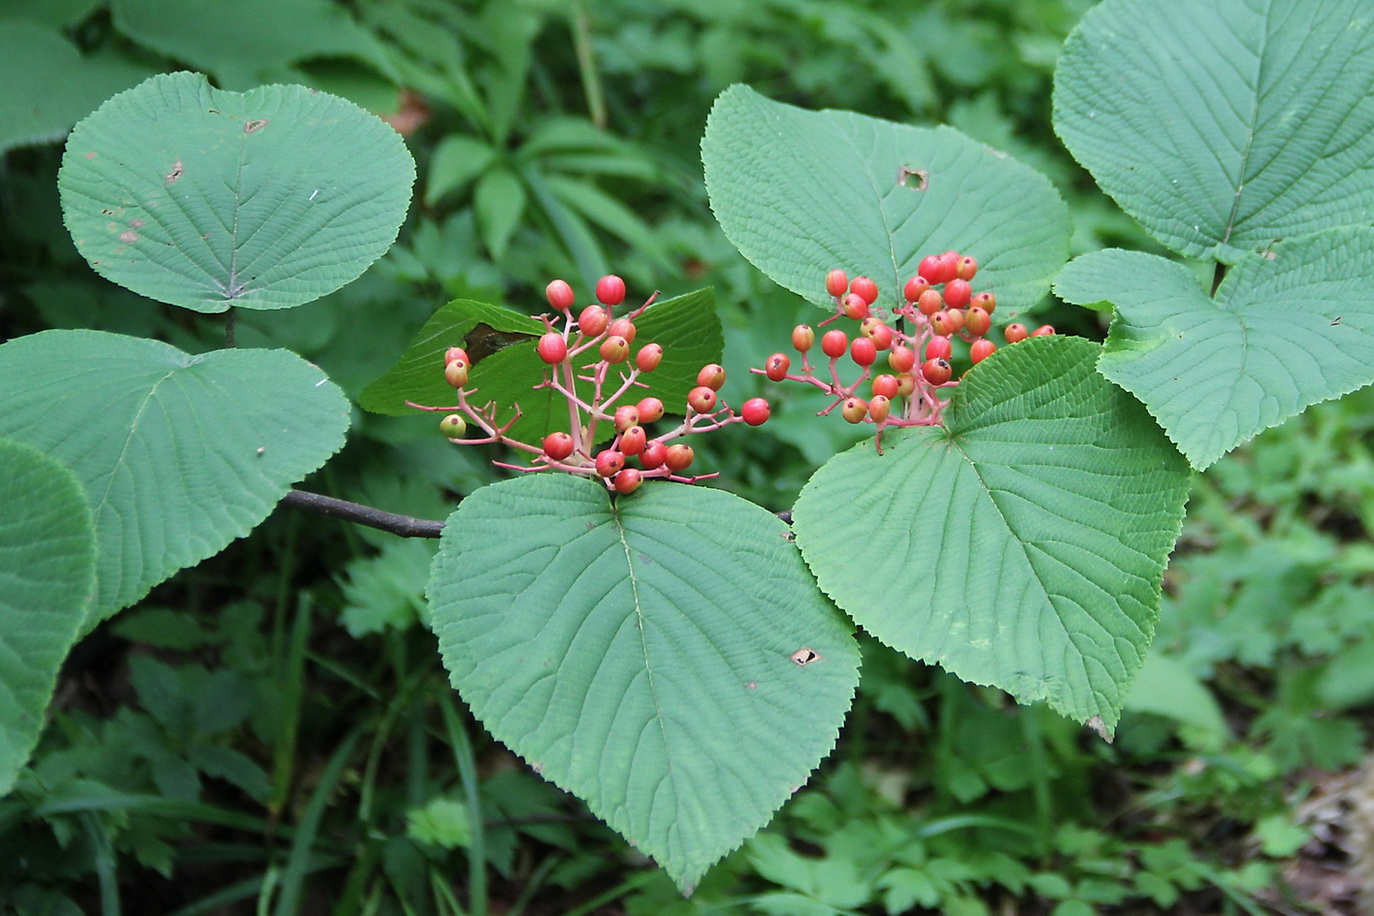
(1020, 546)
(206, 199)
(247, 41)
(46, 85)
(1224, 126)
(799, 192)
(47, 579)
(1286, 329)
(638, 653)
(179, 454)
(686, 326)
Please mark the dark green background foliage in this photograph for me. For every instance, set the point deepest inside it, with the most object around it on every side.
(272, 731)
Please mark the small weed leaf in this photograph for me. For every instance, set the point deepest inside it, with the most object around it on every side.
(642, 653)
(1286, 329)
(800, 190)
(1020, 546)
(1224, 126)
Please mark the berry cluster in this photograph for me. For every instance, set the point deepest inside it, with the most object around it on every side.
(613, 375)
(939, 304)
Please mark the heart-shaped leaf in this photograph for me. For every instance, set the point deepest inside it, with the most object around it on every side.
(665, 657)
(47, 579)
(686, 326)
(179, 454)
(1020, 546)
(1224, 126)
(1286, 329)
(799, 192)
(206, 199)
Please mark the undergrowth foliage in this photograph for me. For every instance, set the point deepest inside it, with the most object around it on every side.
(678, 657)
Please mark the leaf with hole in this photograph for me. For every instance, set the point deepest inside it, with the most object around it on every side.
(1023, 543)
(639, 653)
(800, 192)
(205, 199)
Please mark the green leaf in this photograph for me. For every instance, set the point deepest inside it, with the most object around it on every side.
(1021, 545)
(800, 192)
(245, 42)
(179, 454)
(457, 161)
(1224, 126)
(1165, 687)
(685, 326)
(639, 654)
(47, 580)
(1286, 329)
(46, 85)
(206, 199)
(443, 822)
(499, 202)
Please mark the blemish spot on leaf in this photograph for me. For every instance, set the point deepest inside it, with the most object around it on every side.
(175, 173)
(255, 125)
(128, 236)
(915, 179)
(1097, 725)
(751, 685)
(136, 223)
(91, 154)
(805, 656)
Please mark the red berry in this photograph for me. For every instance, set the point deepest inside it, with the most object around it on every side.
(949, 267)
(455, 354)
(803, 338)
(865, 288)
(650, 409)
(981, 350)
(942, 323)
(863, 351)
(930, 302)
(957, 293)
(836, 282)
(755, 411)
(593, 320)
(609, 462)
(1045, 330)
(1015, 333)
(633, 440)
(456, 373)
(937, 371)
(966, 268)
(905, 385)
(453, 426)
(625, 417)
(680, 457)
(985, 301)
(552, 348)
(610, 290)
(901, 359)
(712, 376)
(560, 295)
(627, 481)
(939, 348)
(615, 349)
(648, 357)
(622, 327)
(876, 330)
(929, 267)
(977, 321)
(654, 454)
(885, 386)
(914, 287)
(834, 343)
(702, 399)
(776, 367)
(558, 446)
(879, 407)
(956, 319)
(854, 306)
(854, 410)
